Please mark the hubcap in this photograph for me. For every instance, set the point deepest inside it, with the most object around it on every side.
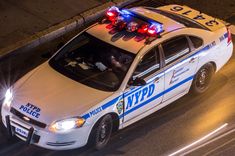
(203, 79)
(104, 131)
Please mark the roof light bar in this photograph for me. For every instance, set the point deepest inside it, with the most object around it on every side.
(143, 29)
(132, 26)
(120, 23)
(154, 29)
(120, 19)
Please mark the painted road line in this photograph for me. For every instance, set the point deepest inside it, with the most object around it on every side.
(212, 140)
(199, 141)
(219, 147)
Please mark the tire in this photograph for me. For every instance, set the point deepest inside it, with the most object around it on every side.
(101, 132)
(202, 79)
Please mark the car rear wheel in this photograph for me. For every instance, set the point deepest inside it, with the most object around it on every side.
(202, 79)
(101, 132)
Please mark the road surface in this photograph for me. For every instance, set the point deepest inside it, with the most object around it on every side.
(193, 125)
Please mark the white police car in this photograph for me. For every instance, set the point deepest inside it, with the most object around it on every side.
(131, 64)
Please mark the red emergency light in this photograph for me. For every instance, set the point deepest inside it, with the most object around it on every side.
(112, 14)
(143, 29)
(121, 20)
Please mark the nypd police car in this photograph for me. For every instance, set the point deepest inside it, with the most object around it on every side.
(116, 72)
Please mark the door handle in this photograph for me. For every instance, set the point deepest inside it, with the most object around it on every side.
(156, 80)
(192, 60)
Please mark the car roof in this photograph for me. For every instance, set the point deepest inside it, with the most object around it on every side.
(203, 19)
(129, 41)
(121, 40)
(168, 23)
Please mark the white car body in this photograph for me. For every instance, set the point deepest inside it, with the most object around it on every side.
(58, 97)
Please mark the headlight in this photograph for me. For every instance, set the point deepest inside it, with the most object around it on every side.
(67, 124)
(8, 98)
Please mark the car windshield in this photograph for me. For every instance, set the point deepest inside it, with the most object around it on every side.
(93, 62)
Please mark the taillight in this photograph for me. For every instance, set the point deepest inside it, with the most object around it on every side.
(229, 35)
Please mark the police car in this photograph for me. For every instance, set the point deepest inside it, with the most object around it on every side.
(116, 72)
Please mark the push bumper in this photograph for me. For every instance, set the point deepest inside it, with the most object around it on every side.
(44, 138)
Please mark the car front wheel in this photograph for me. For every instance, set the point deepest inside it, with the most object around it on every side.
(101, 132)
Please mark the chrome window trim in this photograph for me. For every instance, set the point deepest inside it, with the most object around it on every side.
(178, 55)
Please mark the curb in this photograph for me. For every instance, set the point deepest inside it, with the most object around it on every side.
(93, 14)
(124, 3)
(42, 36)
(60, 29)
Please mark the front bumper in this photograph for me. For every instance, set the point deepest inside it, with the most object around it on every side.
(44, 138)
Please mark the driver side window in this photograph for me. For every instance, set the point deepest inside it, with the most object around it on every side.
(149, 64)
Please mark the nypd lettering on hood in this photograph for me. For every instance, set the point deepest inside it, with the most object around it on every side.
(31, 110)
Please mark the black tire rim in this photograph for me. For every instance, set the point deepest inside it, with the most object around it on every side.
(104, 132)
(203, 79)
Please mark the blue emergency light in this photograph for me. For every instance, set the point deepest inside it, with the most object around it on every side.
(124, 19)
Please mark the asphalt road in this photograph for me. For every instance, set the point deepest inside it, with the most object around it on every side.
(205, 124)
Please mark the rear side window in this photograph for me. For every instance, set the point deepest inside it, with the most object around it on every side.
(175, 48)
(197, 42)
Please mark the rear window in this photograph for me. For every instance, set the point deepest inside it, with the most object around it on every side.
(183, 20)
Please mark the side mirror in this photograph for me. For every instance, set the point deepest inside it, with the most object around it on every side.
(137, 82)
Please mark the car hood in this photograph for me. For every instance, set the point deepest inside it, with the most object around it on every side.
(47, 96)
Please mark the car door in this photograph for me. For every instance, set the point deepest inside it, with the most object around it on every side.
(180, 66)
(139, 99)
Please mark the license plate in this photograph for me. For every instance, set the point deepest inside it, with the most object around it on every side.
(21, 131)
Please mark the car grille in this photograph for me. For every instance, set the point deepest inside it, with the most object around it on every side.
(60, 144)
(32, 121)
